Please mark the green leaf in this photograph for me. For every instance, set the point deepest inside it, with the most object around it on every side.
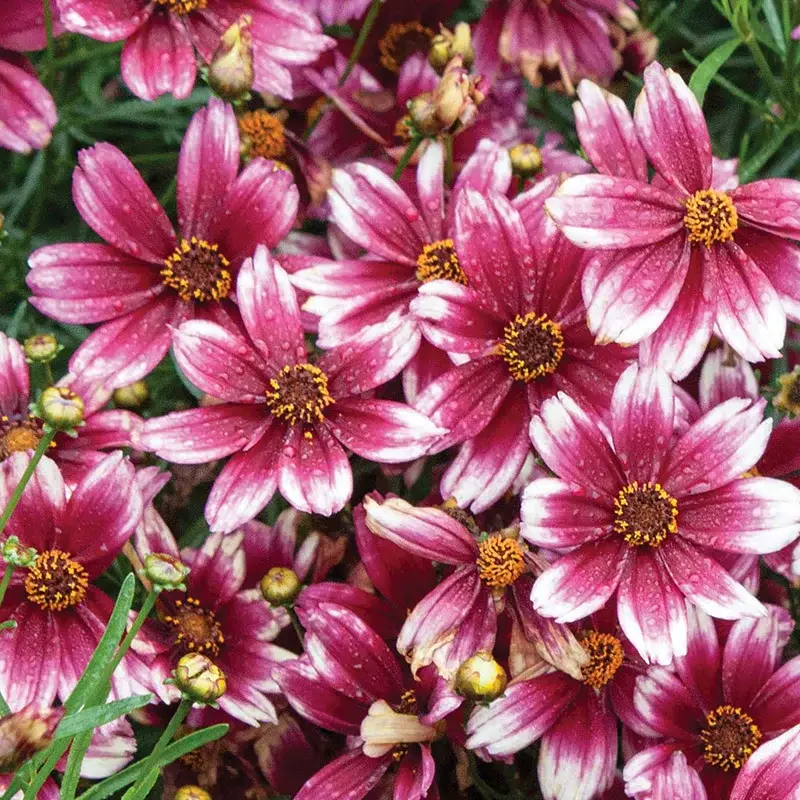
(709, 67)
(775, 25)
(140, 791)
(94, 717)
(72, 774)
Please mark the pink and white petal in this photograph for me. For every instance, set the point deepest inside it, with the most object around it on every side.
(107, 20)
(377, 214)
(415, 774)
(651, 610)
(749, 311)
(118, 206)
(719, 447)
(604, 212)
(582, 581)
(428, 364)
(666, 705)
(15, 384)
(201, 435)
(159, 59)
(670, 777)
(207, 167)
(488, 169)
(246, 483)
(773, 771)
(219, 362)
(771, 205)
(673, 131)
(699, 667)
(23, 27)
(642, 420)
(572, 445)
(725, 375)
(270, 312)
(782, 456)
(578, 755)
(430, 188)
(218, 570)
(706, 584)
(313, 473)
(525, 712)
(776, 704)
(349, 777)
(530, 205)
(28, 114)
(344, 279)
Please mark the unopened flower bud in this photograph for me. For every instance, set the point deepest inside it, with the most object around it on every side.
(481, 678)
(199, 678)
(446, 44)
(192, 793)
(61, 408)
(41, 348)
(422, 115)
(526, 159)
(457, 97)
(16, 554)
(231, 70)
(134, 395)
(639, 51)
(280, 586)
(165, 572)
(26, 732)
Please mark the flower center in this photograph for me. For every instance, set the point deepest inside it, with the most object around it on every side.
(195, 630)
(299, 392)
(55, 582)
(710, 217)
(183, 7)
(262, 134)
(408, 703)
(454, 511)
(532, 346)
(788, 397)
(500, 561)
(605, 657)
(645, 514)
(197, 271)
(730, 737)
(401, 40)
(439, 260)
(19, 435)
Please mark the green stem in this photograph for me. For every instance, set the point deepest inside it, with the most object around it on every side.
(48, 373)
(166, 737)
(369, 21)
(448, 163)
(6, 580)
(44, 443)
(48, 29)
(144, 612)
(298, 628)
(406, 157)
(755, 164)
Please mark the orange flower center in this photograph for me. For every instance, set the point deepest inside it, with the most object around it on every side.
(19, 435)
(197, 271)
(55, 582)
(730, 737)
(645, 515)
(532, 346)
(262, 134)
(195, 630)
(182, 7)
(710, 217)
(299, 392)
(605, 657)
(500, 561)
(401, 40)
(438, 261)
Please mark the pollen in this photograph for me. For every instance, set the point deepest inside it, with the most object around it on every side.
(605, 657)
(18, 435)
(710, 217)
(730, 737)
(197, 271)
(439, 261)
(401, 40)
(299, 393)
(500, 561)
(788, 396)
(55, 582)
(263, 134)
(645, 515)
(532, 346)
(182, 7)
(195, 629)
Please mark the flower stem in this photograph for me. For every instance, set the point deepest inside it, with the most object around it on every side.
(177, 718)
(369, 21)
(298, 628)
(48, 29)
(406, 157)
(6, 580)
(41, 448)
(448, 162)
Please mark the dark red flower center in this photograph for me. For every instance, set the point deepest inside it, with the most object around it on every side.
(19, 435)
(730, 737)
(645, 515)
(262, 134)
(454, 511)
(197, 271)
(500, 561)
(439, 261)
(195, 629)
(605, 657)
(710, 217)
(183, 7)
(407, 705)
(401, 40)
(532, 346)
(55, 582)
(299, 392)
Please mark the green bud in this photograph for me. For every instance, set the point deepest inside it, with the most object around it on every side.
(280, 586)
(17, 555)
(41, 348)
(199, 678)
(165, 572)
(133, 395)
(61, 408)
(481, 678)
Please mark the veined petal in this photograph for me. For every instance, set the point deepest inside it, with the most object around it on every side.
(430, 188)
(350, 776)
(771, 205)
(14, 377)
(29, 114)
(488, 169)
(663, 772)
(106, 21)
(772, 771)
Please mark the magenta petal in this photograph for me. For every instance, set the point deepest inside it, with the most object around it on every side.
(581, 582)
(430, 188)
(246, 483)
(218, 569)
(117, 204)
(22, 26)
(699, 666)
(773, 771)
(488, 169)
(782, 456)
(28, 113)
(106, 20)
(663, 772)
(415, 774)
(771, 205)
(14, 378)
(776, 704)
(666, 704)
(159, 59)
(350, 776)
(341, 279)
(526, 711)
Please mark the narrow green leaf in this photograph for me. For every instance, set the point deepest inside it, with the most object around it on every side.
(94, 717)
(709, 67)
(775, 25)
(141, 790)
(72, 774)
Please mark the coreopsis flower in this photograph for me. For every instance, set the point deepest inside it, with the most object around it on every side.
(517, 313)
(682, 256)
(641, 510)
(284, 419)
(146, 279)
(161, 37)
(350, 682)
(718, 704)
(21, 430)
(26, 732)
(60, 615)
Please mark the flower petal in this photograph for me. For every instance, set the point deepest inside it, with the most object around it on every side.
(771, 205)
(430, 188)
(14, 378)
(351, 776)
(772, 771)
(106, 20)
(28, 114)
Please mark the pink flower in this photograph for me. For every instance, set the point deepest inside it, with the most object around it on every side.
(284, 418)
(60, 616)
(519, 317)
(720, 703)
(684, 255)
(640, 509)
(147, 279)
(21, 431)
(161, 37)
